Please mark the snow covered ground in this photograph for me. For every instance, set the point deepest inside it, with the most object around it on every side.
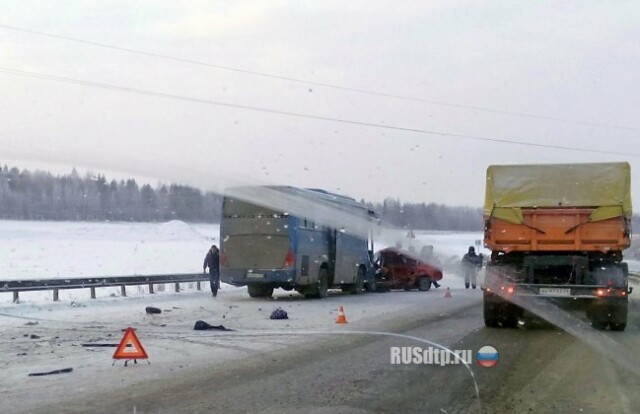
(36, 249)
(40, 335)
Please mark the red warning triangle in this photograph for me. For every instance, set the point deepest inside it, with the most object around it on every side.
(135, 351)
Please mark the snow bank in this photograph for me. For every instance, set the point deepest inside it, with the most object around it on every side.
(36, 249)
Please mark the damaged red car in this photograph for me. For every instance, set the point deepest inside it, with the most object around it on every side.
(399, 269)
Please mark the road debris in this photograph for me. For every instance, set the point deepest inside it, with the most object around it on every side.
(152, 310)
(57, 371)
(203, 326)
(279, 314)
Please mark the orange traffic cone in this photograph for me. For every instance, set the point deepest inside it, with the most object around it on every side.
(341, 318)
(447, 293)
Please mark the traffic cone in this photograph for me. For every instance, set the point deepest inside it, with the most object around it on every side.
(341, 318)
(447, 293)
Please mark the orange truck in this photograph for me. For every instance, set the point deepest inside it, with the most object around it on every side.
(556, 234)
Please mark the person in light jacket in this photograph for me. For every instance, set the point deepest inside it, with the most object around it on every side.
(471, 262)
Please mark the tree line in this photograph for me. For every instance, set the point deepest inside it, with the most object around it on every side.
(40, 195)
(430, 216)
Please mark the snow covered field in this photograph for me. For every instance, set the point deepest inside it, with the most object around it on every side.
(36, 249)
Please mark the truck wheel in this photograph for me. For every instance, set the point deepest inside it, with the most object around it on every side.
(509, 316)
(358, 286)
(490, 314)
(424, 284)
(618, 321)
(617, 326)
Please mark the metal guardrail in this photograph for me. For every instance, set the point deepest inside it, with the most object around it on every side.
(31, 285)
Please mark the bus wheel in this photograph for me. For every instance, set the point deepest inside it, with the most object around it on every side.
(358, 286)
(424, 284)
(372, 285)
(323, 284)
(259, 291)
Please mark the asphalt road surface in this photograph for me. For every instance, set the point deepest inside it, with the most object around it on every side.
(541, 369)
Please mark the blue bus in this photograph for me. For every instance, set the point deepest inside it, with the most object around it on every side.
(264, 247)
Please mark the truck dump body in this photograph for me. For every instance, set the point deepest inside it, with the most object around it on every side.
(557, 229)
(572, 207)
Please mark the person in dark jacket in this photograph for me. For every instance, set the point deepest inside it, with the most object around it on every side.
(212, 261)
(471, 262)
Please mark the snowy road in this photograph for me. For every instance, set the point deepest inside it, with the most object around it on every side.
(287, 366)
(177, 353)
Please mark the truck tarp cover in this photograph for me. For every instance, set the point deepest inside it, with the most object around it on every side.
(605, 186)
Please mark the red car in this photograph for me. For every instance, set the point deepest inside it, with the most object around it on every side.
(400, 270)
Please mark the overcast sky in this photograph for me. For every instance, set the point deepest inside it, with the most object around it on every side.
(575, 61)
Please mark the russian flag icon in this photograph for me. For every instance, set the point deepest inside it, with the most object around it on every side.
(487, 356)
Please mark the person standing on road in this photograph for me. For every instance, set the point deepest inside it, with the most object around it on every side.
(471, 262)
(212, 261)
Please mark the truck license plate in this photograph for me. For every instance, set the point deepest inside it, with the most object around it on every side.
(251, 275)
(555, 291)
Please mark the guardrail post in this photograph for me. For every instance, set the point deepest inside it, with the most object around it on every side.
(198, 285)
(93, 293)
(56, 296)
(16, 299)
(177, 287)
(123, 290)
(151, 288)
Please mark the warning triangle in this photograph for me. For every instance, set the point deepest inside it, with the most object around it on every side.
(130, 347)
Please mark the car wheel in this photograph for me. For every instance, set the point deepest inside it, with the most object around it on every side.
(424, 284)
